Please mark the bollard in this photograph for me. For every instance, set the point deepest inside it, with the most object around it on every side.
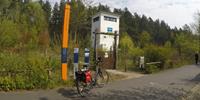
(76, 50)
(87, 56)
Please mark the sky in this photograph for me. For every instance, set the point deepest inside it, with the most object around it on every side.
(174, 12)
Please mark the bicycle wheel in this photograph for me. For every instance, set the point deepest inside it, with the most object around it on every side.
(102, 77)
(82, 87)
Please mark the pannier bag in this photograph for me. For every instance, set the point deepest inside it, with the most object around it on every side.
(84, 76)
(88, 76)
(80, 76)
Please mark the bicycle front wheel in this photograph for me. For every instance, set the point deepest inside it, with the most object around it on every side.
(102, 77)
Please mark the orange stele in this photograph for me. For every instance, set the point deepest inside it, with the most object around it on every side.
(66, 26)
(64, 71)
(65, 39)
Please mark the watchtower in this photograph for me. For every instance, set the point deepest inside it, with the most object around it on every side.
(107, 23)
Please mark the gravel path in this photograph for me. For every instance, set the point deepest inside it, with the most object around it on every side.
(168, 85)
(127, 75)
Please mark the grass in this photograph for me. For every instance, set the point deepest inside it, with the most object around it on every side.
(30, 70)
(115, 77)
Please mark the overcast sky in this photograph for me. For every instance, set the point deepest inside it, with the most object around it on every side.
(174, 12)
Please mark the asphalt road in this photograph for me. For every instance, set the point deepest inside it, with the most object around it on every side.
(168, 85)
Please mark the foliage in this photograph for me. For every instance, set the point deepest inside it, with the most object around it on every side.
(4, 4)
(7, 38)
(22, 24)
(151, 69)
(126, 42)
(145, 39)
(153, 54)
(126, 51)
(29, 71)
(186, 45)
(25, 58)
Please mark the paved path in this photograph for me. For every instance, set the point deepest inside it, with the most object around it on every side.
(168, 85)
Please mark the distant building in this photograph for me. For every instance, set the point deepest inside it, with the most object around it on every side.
(104, 22)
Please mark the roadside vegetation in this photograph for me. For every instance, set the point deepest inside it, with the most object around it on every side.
(30, 41)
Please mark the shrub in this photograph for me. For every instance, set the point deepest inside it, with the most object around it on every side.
(7, 83)
(28, 70)
(151, 69)
(153, 54)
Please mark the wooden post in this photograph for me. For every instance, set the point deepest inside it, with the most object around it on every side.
(125, 62)
(95, 46)
(115, 50)
(199, 42)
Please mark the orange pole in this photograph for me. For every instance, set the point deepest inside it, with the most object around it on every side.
(65, 42)
(66, 26)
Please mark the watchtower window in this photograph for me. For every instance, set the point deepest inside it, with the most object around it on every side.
(107, 18)
(96, 19)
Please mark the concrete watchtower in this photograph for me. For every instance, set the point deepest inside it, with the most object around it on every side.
(104, 22)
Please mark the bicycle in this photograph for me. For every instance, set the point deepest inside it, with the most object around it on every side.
(85, 82)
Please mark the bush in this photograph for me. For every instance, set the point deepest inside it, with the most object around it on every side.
(128, 53)
(28, 71)
(154, 54)
(7, 84)
(169, 64)
(9, 33)
(151, 69)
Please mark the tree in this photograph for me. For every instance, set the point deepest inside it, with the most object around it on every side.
(55, 21)
(145, 39)
(126, 44)
(4, 3)
(187, 29)
(186, 45)
(196, 25)
(47, 9)
(143, 24)
(61, 15)
(22, 24)
(79, 20)
(104, 8)
(7, 38)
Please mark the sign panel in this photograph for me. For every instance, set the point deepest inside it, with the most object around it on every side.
(109, 30)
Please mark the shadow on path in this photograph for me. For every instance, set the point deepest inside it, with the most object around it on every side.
(69, 93)
(43, 98)
(147, 93)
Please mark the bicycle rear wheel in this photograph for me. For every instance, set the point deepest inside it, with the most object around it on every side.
(102, 77)
(82, 87)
